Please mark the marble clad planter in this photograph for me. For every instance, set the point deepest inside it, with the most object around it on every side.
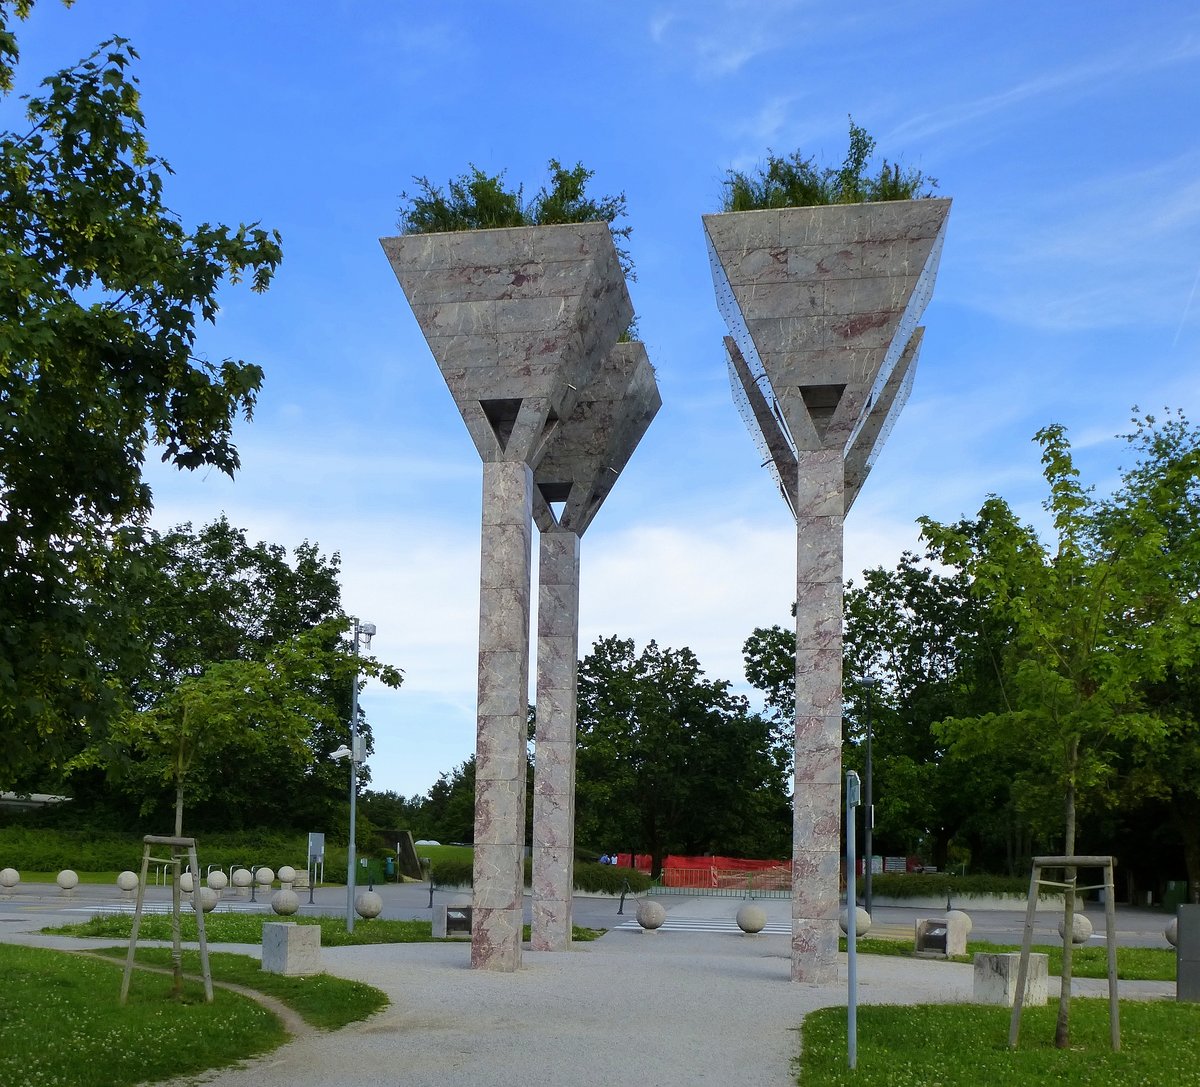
(519, 321)
(822, 306)
(582, 462)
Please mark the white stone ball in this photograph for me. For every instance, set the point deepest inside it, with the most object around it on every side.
(218, 880)
(67, 879)
(9, 878)
(368, 904)
(751, 918)
(650, 914)
(185, 882)
(862, 921)
(1081, 928)
(241, 877)
(287, 874)
(264, 877)
(127, 881)
(1172, 932)
(286, 903)
(966, 919)
(208, 900)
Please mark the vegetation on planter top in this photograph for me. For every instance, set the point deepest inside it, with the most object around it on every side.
(796, 181)
(479, 201)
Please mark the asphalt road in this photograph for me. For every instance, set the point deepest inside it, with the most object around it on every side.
(1136, 926)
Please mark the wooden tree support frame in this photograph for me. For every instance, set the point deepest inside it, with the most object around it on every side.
(1070, 864)
(178, 846)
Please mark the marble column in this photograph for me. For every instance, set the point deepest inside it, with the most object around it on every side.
(816, 856)
(554, 761)
(504, 592)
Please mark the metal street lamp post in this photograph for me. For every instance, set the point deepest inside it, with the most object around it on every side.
(363, 633)
(870, 682)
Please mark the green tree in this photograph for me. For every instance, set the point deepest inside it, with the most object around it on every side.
(1159, 498)
(1091, 625)
(209, 601)
(101, 289)
(448, 811)
(670, 761)
(930, 646)
(796, 181)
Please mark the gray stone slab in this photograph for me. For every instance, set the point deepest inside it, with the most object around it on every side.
(291, 949)
(1187, 953)
(995, 978)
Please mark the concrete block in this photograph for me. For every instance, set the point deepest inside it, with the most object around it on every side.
(291, 949)
(451, 921)
(996, 978)
(942, 937)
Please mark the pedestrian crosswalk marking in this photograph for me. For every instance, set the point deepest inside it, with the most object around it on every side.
(710, 924)
(165, 907)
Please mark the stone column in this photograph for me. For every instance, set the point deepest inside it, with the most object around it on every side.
(554, 761)
(816, 857)
(504, 590)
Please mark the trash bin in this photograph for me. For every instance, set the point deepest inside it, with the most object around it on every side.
(1176, 894)
(389, 867)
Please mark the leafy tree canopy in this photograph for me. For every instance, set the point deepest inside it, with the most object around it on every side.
(479, 201)
(671, 761)
(244, 686)
(101, 288)
(796, 181)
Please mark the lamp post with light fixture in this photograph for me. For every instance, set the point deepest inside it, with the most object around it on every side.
(356, 753)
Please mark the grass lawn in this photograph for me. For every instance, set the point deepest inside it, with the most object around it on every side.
(321, 1000)
(967, 1046)
(1133, 963)
(243, 928)
(61, 1024)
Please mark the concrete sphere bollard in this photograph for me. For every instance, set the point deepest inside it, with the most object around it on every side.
(218, 880)
(751, 918)
(241, 878)
(127, 881)
(208, 900)
(368, 905)
(650, 914)
(185, 882)
(264, 877)
(67, 880)
(1081, 928)
(287, 874)
(966, 919)
(9, 878)
(286, 902)
(1171, 932)
(862, 921)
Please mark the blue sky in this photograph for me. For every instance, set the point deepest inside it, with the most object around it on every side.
(1068, 135)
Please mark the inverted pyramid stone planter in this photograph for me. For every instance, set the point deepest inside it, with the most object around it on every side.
(518, 321)
(823, 307)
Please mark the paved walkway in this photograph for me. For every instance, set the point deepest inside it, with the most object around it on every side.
(679, 1007)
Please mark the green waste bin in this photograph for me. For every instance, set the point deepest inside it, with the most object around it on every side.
(1176, 894)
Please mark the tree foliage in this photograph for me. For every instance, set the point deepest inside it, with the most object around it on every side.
(478, 201)
(670, 761)
(244, 686)
(101, 290)
(797, 181)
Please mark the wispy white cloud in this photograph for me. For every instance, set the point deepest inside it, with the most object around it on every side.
(721, 39)
(1052, 89)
